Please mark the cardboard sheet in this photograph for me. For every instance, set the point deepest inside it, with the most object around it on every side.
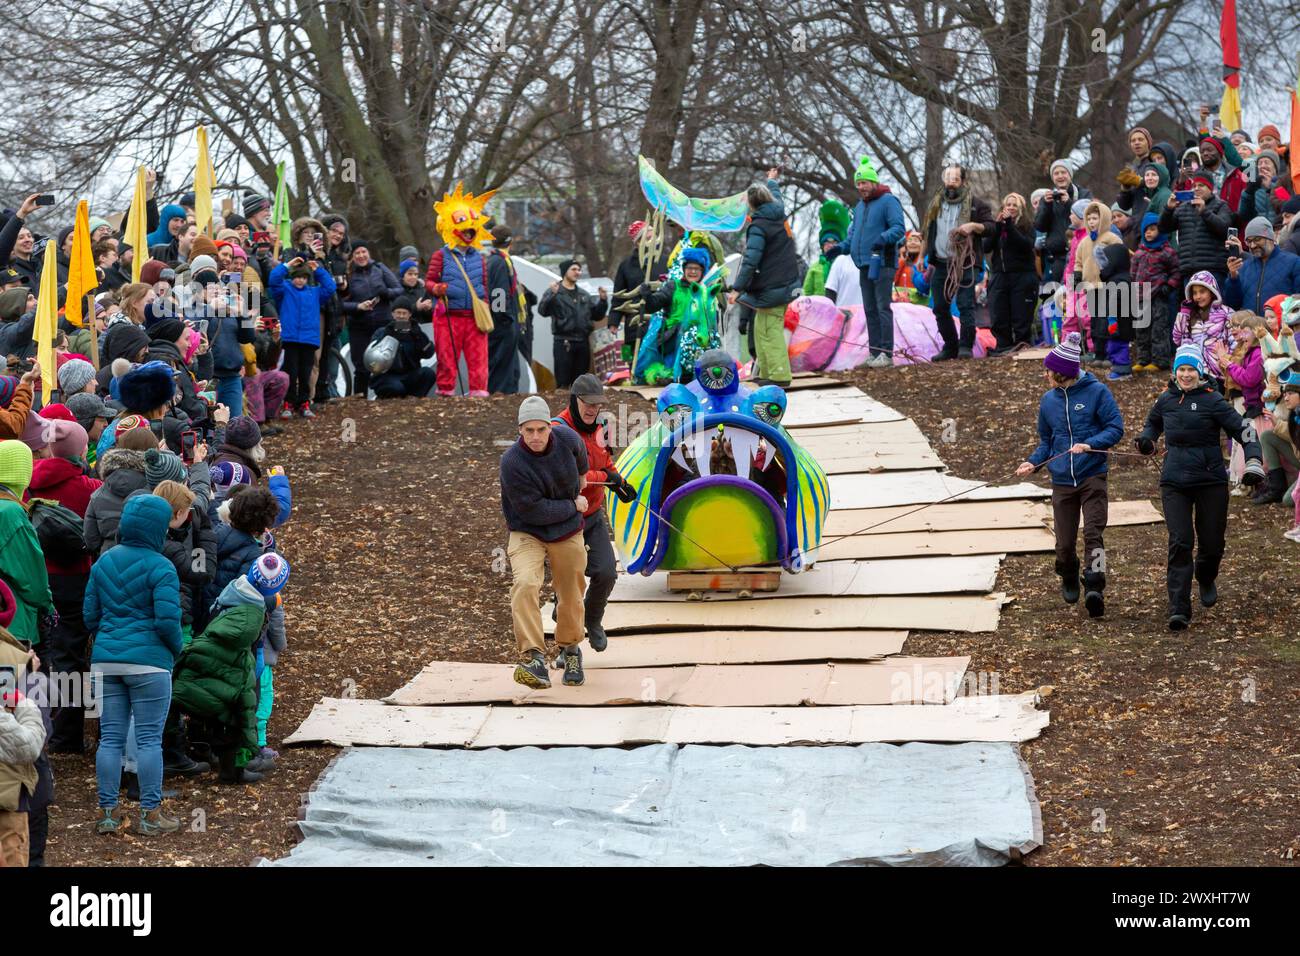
(376, 724)
(742, 647)
(919, 544)
(972, 516)
(1031, 355)
(931, 613)
(875, 462)
(900, 680)
(835, 406)
(915, 488)
(946, 575)
(867, 434)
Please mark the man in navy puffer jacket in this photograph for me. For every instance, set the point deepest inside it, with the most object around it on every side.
(1077, 419)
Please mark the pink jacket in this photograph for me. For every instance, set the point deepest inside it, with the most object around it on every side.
(1212, 329)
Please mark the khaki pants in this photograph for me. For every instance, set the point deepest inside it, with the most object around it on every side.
(13, 839)
(528, 557)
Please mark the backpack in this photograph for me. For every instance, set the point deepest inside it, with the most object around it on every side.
(59, 531)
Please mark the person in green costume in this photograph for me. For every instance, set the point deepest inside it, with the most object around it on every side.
(835, 218)
(687, 323)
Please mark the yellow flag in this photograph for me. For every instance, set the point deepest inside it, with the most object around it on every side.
(204, 180)
(1230, 108)
(47, 318)
(137, 227)
(81, 269)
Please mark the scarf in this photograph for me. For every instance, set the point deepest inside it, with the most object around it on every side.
(941, 197)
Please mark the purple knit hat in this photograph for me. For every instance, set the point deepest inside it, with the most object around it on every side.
(8, 385)
(1064, 359)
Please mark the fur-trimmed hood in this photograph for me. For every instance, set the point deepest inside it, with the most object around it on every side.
(118, 458)
(305, 222)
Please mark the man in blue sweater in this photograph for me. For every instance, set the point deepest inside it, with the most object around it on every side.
(541, 485)
(1266, 272)
(872, 244)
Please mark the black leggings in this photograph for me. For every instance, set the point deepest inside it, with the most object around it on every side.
(1194, 516)
(299, 360)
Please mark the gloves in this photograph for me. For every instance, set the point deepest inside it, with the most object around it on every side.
(1128, 178)
(440, 289)
(1145, 445)
(625, 492)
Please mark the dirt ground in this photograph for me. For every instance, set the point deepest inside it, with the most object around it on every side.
(1177, 749)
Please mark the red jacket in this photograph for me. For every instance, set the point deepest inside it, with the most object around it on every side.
(598, 459)
(61, 480)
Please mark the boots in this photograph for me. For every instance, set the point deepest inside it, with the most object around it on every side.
(229, 773)
(1273, 488)
(1094, 583)
(1069, 574)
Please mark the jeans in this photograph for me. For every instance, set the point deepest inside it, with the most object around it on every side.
(943, 307)
(230, 392)
(144, 697)
(877, 297)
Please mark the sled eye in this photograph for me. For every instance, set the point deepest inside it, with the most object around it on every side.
(674, 416)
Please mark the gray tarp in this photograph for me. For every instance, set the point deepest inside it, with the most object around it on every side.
(914, 804)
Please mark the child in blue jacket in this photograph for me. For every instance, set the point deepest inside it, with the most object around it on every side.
(1077, 419)
(299, 306)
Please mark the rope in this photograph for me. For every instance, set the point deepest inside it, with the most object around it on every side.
(963, 258)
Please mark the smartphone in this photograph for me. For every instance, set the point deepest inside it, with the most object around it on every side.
(45, 199)
(189, 438)
(1185, 195)
(1232, 236)
(8, 681)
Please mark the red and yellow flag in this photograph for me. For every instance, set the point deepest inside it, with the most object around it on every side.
(1230, 104)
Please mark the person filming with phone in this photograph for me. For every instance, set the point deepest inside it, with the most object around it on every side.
(1261, 271)
(1201, 220)
(17, 241)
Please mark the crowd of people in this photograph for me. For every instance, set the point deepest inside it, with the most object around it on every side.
(137, 510)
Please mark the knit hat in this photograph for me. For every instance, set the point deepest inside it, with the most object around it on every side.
(406, 264)
(253, 204)
(15, 466)
(13, 303)
(75, 375)
(1278, 165)
(697, 255)
(1260, 228)
(300, 271)
(86, 407)
(36, 431)
(151, 271)
(408, 252)
(1080, 208)
(224, 474)
(204, 269)
(269, 574)
(146, 387)
(635, 228)
(242, 432)
(124, 341)
(1064, 164)
(162, 466)
(68, 440)
(1269, 130)
(1116, 207)
(534, 409)
(238, 252)
(1201, 176)
(1206, 279)
(1213, 142)
(168, 330)
(8, 384)
(1145, 132)
(96, 222)
(129, 423)
(566, 264)
(202, 246)
(356, 244)
(866, 172)
(1189, 353)
(1064, 358)
(57, 411)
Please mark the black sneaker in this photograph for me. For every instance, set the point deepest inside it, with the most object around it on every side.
(531, 672)
(1209, 594)
(965, 353)
(573, 675)
(189, 768)
(1177, 622)
(132, 784)
(947, 353)
(596, 637)
(1095, 604)
(1070, 588)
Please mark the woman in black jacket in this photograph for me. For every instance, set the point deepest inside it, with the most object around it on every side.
(1013, 282)
(1194, 481)
(371, 288)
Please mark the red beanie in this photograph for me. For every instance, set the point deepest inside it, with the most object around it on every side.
(1269, 130)
(152, 270)
(1200, 176)
(1213, 142)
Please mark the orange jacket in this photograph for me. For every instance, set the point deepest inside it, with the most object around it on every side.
(598, 459)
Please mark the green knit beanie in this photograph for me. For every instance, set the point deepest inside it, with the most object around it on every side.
(866, 172)
(15, 466)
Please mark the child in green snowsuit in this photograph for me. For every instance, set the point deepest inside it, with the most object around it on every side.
(687, 327)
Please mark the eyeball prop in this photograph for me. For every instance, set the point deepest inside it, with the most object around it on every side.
(717, 372)
(768, 404)
(676, 404)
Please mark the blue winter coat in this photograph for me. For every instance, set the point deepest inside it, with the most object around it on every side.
(236, 552)
(876, 224)
(300, 309)
(1084, 412)
(133, 601)
(1259, 280)
(443, 268)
